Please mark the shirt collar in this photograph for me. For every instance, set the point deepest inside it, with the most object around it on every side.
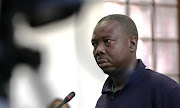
(108, 83)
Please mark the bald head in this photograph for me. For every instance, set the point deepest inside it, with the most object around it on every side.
(125, 22)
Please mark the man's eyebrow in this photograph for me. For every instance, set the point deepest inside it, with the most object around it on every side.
(104, 37)
(93, 39)
(107, 36)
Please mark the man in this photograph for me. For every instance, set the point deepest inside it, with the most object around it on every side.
(130, 84)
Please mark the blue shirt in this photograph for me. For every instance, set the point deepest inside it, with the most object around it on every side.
(144, 89)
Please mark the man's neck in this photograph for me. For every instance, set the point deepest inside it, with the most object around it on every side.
(123, 76)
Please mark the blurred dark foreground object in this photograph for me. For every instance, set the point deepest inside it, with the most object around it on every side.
(45, 11)
(37, 13)
(40, 12)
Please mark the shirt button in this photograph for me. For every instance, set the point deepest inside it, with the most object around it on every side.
(112, 97)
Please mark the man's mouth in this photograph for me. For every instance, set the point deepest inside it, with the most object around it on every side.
(102, 63)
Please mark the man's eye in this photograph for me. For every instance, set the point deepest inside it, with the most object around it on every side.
(107, 41)
(94, 44)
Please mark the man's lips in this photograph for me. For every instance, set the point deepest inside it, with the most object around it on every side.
(102, 63)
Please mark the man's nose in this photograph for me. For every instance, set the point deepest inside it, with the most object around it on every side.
(100, 49)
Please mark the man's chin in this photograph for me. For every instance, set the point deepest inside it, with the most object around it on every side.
(108, 71)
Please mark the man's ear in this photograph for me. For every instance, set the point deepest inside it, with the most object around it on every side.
(133, 43)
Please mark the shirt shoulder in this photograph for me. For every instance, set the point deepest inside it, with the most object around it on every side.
(159, 80)
(174, 97)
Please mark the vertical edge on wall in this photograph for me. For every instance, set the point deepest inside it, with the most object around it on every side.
(178, 7)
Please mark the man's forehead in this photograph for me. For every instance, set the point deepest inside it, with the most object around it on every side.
(107, 24)
(109, 28)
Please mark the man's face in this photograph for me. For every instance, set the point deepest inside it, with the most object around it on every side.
(111, 48)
